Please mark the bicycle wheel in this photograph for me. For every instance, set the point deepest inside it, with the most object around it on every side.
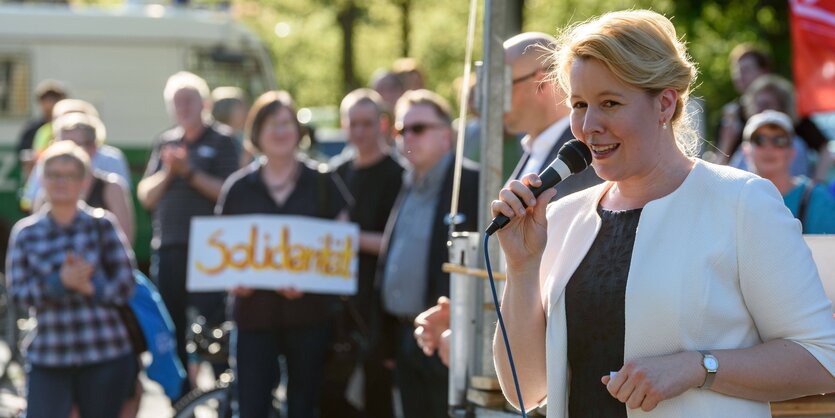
(213, 403)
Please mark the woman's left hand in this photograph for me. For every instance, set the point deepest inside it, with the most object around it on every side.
(644, 382)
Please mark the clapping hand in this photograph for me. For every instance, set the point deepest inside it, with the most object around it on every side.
(76, 274)
(174, 157)
(430, 327)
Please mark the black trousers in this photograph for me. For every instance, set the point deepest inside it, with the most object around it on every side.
(423, 381)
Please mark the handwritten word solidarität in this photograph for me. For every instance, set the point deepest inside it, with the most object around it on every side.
(331, 258)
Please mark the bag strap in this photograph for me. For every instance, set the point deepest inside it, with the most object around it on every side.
(804, 202)
(100, 229)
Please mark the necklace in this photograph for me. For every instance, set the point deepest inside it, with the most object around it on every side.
(286, 184)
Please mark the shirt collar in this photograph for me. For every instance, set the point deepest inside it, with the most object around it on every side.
(433, 177)
(543, 143)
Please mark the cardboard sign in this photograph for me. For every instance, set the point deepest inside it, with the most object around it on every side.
(273, 252)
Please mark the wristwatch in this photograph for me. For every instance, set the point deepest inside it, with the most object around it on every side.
(711, 365)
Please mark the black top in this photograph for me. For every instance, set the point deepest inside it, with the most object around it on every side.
(215, 154)
(594, 306)
(27, 136)
(95, 197)
(374, 189)
(315, 195)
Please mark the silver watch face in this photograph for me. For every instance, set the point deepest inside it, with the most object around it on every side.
(711, 363)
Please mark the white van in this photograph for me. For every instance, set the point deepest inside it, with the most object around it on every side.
(118, 59)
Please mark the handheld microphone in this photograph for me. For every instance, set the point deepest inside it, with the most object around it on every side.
(572, 158)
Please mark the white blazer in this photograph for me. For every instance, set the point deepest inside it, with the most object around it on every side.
(719, 263)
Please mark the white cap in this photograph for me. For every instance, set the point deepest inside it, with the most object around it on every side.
(768, 117)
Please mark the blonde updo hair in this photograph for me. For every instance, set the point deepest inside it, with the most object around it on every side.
(641, 49)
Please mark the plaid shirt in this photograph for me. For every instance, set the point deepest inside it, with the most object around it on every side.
(72, 329)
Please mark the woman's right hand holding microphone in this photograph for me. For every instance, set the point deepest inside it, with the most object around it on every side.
(523, 238)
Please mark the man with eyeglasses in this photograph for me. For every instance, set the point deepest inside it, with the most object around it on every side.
(538, 110)
(768, 145)
(414, 244)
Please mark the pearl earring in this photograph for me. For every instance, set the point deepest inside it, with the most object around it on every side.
(664, 125)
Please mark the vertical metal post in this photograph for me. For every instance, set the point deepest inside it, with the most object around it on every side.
(494, 90)
(463, 318)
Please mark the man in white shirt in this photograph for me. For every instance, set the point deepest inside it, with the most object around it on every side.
(538, 109)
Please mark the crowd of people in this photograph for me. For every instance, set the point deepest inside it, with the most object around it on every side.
(733, 282)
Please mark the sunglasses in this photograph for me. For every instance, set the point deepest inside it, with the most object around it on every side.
(779, 141)
(418, 128)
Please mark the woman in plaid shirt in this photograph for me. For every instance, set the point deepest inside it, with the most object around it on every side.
(71, 267)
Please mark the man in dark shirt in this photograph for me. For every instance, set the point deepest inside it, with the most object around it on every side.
(183, 179)
(48, 92)
(374, 178)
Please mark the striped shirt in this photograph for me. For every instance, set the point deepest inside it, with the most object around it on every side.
(72, 329)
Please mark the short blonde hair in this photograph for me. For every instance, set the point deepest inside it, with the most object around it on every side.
(361, 96)
(422, 97)
(89, 125)
(782, 89)
(67, 151)
(641, 49)
(79, 107)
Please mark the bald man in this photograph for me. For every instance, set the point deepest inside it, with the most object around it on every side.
(538, 110)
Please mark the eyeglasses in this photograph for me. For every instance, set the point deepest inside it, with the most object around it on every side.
(525, 77)
(279, 125)
(418, 128)
(779, 141)
(55, 176)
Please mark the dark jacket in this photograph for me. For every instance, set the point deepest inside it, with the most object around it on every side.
(437, 280)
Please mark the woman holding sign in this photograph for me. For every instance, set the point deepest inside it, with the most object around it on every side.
(285, 321)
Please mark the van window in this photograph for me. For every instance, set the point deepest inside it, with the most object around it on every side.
(223, 67)
(14, 86)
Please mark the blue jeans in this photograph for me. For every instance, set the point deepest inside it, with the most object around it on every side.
(305, 350)
(98, 389)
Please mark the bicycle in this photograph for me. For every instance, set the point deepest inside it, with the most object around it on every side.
(219, 400)
(210, 344)
(15, 328)
(215, 402)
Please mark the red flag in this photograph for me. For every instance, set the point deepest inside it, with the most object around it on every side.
(813, 45)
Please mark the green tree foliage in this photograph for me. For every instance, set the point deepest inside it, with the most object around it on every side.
(711, 29)
(308, 57)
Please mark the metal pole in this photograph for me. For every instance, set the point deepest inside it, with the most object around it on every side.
(463, 318)
(494, 90)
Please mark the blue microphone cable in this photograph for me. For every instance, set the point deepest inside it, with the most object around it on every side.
(501, 325)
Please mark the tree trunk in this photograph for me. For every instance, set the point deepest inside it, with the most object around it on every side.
(406, 25)
(347, 17)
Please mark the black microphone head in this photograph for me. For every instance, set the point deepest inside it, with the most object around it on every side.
(576, 155)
